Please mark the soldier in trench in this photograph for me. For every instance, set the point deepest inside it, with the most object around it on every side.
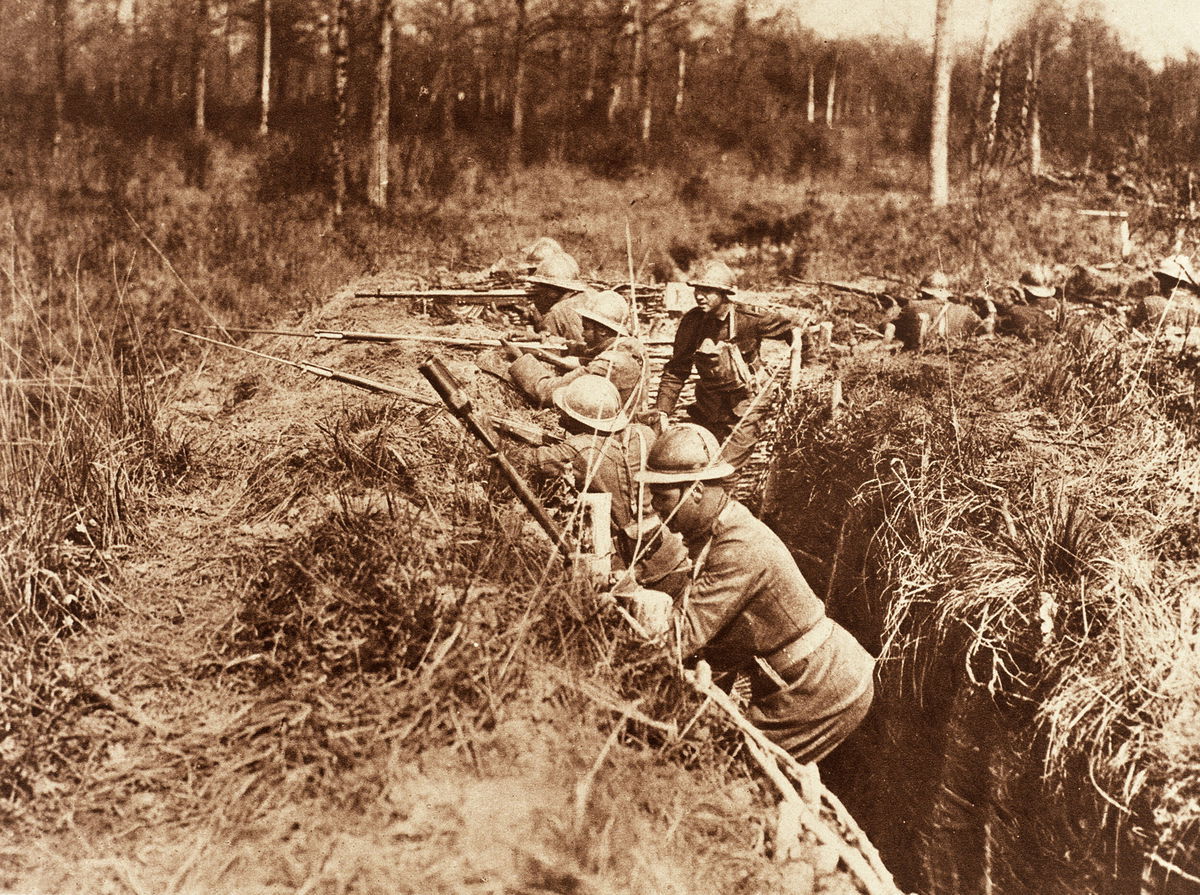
(748, 608)
(721, 339)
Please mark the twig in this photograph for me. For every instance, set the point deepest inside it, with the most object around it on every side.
(583, 789)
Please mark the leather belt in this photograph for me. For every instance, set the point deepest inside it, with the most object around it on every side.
(775, 665)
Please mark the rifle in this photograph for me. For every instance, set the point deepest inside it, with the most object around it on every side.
(540, 352)
(845, 287)
(458, 296)
(451, 392)
(359, 336)
(526, 432)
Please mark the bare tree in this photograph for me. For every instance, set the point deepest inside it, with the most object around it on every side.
(830, 87)
(1035, 88)
(811, 112)
(381, 108)
(59, 23)
(939, 126)
(200, 67)
(517, 137)
(264, 67)
(340, 43)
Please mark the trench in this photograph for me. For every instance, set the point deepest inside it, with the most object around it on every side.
(946, 777)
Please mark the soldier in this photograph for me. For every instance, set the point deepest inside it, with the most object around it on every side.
(722, 341)
(557, 294)
(608, 351)
(1037, 287)
(932, 313)
(1030, 321)
(748, 608)
(604, 452)
(1177, 304)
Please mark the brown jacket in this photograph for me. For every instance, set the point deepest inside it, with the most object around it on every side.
(623, 361)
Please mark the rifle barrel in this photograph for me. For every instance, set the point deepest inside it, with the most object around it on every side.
(460, 296)
(335, 335)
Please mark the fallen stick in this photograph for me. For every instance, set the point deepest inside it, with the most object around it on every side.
(864, 861)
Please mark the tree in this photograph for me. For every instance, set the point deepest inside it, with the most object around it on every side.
(381, 108)
(340, 43)
(200, 67)
(59, 23)
(264, 67)
(517, 137)
(939, 126)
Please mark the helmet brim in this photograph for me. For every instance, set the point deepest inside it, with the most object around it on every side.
(606, 322)
(1038, 291)
(708, 474)
(712, 287)
(609, 427)
(565, 285)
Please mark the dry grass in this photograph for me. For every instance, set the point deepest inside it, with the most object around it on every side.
(1015, 523)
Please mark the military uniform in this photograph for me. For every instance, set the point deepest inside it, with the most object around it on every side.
(749, 609)
(563, 318)
(947, 320)
(728, 379)
(621, 360)
(609, 464)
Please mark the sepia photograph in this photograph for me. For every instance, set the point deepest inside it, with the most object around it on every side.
(600, 447)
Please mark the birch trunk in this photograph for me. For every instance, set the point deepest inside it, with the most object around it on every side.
(1035, 118)
(341, 56)
(830, 88)
(680, 80)
(939, 125)
(381, 109)
(264, 68)
(1089, 77)
(812, 94)
(200, 68)
(981, 90)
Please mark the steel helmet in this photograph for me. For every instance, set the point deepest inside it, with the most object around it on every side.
(542, 248)
(1036, 281)
(685, 453)
(560, 271)
(1177, 267)
(715, 275)
(608, 309)
(593, 401)
(936, 285)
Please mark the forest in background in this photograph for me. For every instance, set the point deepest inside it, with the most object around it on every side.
(451, 89)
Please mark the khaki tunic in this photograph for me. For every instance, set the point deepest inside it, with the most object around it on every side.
(748, 600)
(623, 361)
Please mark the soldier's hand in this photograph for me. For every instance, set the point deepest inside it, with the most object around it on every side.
(511, 351)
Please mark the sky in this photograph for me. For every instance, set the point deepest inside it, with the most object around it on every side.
(1155, 28)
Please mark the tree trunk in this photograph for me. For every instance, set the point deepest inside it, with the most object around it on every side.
(264, 68)
(58, 101)
(1035, 118)
(200, 68)
(812, 94)
(449, 91)
(381, 109)
(589, 91)
(1089, 78)
(636, 52)
(829, 94)
(680, 80)
(981, 90)
(517, 139)
(939, 125)
(998, 64)
(614, 102)
(341, 55)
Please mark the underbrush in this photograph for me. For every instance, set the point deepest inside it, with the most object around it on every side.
(1006, 532)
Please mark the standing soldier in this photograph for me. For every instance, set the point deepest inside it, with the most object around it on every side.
(722, 340)
(605, 452)
(749, 609)
(609, 351)
(557, 294)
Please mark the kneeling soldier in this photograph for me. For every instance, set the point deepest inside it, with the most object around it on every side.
(609, 352)
(749, 608)
(605, 452)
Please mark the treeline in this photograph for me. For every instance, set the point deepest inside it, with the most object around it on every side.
(609, 83)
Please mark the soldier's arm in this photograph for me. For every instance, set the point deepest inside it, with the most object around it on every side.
(678, 368)
(537, 381)
(718, 594)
